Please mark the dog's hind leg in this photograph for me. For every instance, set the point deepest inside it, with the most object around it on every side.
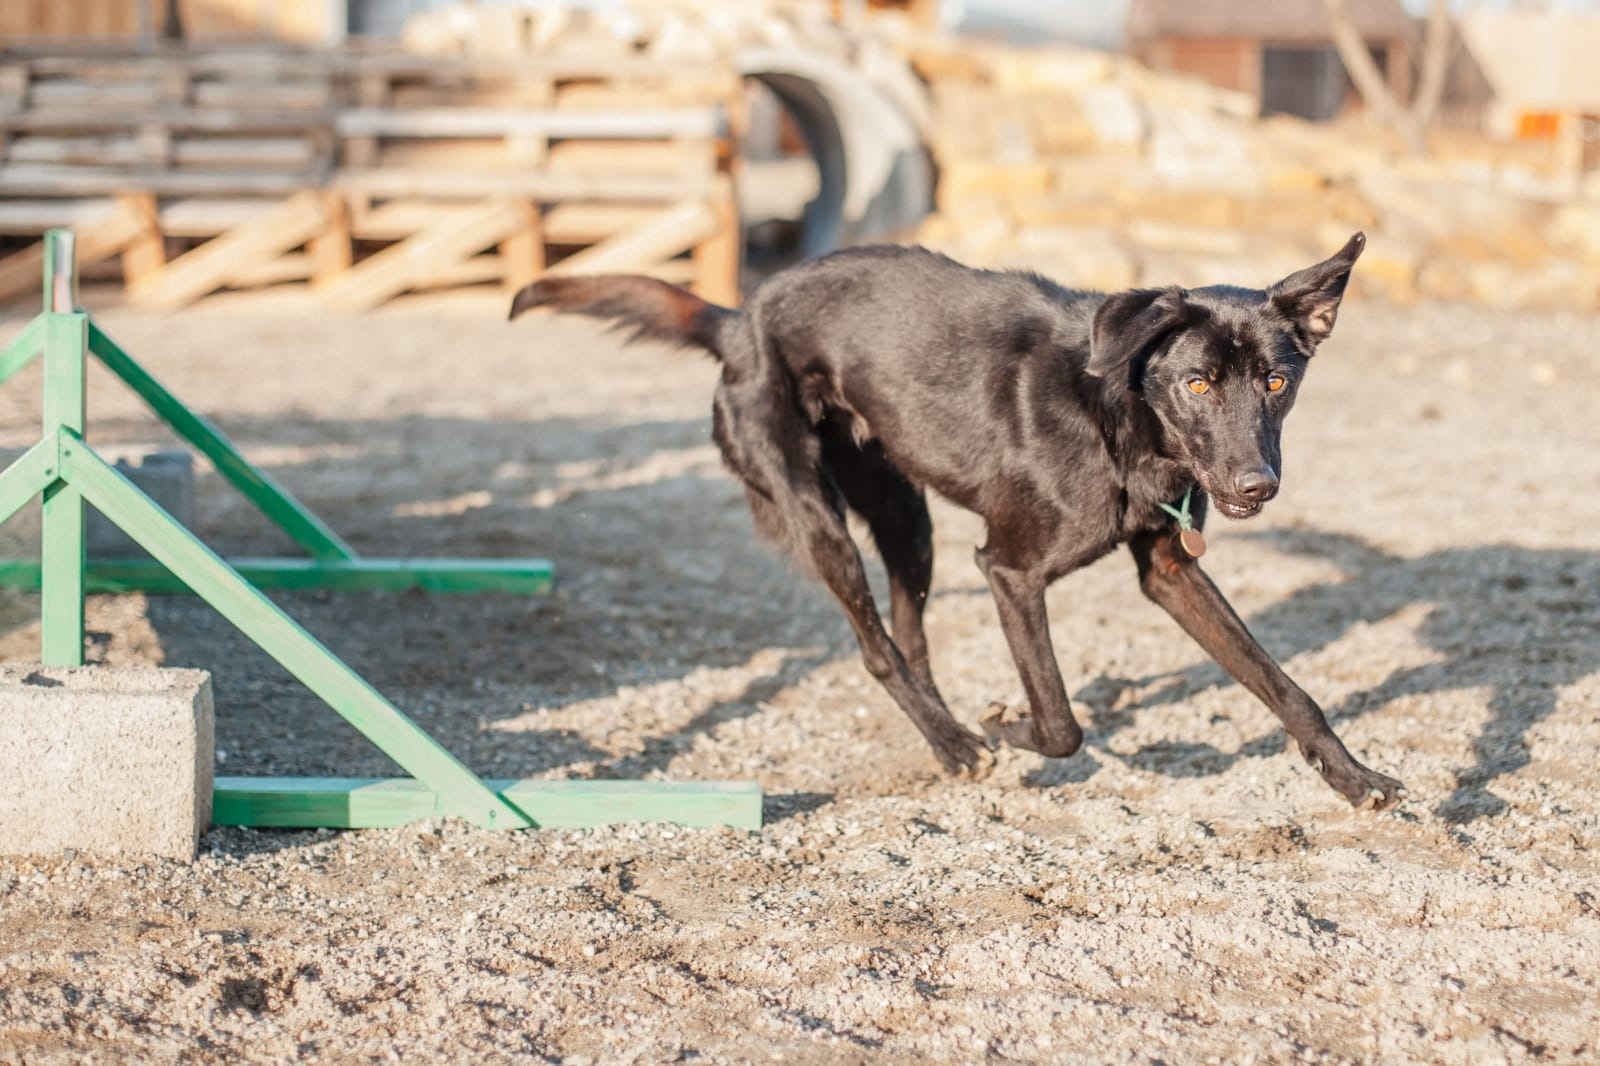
(897, 513)
(798, 504)
(1175, 581)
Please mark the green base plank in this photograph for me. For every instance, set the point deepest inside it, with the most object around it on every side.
(528, 577)
(379, 803)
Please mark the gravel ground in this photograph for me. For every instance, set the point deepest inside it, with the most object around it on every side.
(1183, 890)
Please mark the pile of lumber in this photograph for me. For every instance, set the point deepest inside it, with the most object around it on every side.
(1098, 172)
(368, 173)
(254, 122)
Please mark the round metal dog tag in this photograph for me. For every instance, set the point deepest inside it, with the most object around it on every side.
(1193, 543)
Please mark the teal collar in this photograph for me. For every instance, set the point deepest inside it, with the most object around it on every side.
(1181, 512)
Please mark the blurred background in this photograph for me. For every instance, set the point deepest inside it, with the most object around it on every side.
(363, 149)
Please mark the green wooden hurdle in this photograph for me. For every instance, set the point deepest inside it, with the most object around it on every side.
(68, 474)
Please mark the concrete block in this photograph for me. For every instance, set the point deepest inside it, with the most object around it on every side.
(104, 760)
(167, 477)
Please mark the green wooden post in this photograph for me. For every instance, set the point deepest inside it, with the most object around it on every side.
(62, 559)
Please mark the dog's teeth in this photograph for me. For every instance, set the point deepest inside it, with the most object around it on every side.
(1316, 764)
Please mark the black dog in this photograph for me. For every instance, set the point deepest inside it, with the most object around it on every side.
(1070, 421)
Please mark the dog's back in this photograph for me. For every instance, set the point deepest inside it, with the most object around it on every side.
(948, 367)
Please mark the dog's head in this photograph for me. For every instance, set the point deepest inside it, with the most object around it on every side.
(1220, 367)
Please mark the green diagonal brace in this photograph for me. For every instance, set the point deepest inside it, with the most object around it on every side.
(23, 350)
(28, 475)
(259, 488)
(460, 792)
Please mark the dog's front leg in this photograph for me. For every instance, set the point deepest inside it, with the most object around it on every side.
(1175, 581)
(1048, 726)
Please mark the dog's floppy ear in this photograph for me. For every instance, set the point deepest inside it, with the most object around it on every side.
(1127, 325)
(1310, 297)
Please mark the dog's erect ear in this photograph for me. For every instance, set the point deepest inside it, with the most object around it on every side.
(1310, 297)
(1127, 325)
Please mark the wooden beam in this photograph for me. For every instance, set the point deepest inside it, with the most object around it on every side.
(719, 258)
(224, 259)
(332, 251)
(415, 260)
(522, 253)
(61, 520)
(146, 253)
(28, 475)
(401, 182)
(369, 803)
(460, 122)
(592, 223)
(38, 179)
(676, 229)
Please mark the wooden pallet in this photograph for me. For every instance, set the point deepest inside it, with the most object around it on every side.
(367, 174)
(175, 124)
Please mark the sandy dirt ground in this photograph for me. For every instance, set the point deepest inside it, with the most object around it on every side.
(1183, 890)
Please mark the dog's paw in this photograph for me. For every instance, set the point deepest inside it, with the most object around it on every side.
(1015, 727)
(963, 754)
(981, 766)
(1367, 790)
(1375, 792)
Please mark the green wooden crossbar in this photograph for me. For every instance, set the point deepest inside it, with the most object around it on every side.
(69, 475)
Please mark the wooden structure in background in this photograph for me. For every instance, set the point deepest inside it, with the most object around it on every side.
(368, 173)
(1281, 53)
(134, 21)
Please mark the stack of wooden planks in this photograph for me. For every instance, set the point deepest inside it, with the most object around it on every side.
(368, 173)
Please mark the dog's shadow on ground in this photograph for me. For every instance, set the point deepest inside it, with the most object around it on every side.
(1521, 623)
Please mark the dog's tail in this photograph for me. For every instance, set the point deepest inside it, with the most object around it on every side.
(651, 309)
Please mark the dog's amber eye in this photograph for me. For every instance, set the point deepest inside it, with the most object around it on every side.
(1276, 382)
(1198, 386)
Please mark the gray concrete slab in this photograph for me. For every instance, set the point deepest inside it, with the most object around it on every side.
(104, 760)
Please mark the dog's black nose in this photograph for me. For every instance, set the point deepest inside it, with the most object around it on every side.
(1257, 486)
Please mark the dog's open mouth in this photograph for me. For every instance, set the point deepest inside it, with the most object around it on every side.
(1237, 508)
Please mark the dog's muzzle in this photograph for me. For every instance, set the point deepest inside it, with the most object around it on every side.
(1247, 493)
